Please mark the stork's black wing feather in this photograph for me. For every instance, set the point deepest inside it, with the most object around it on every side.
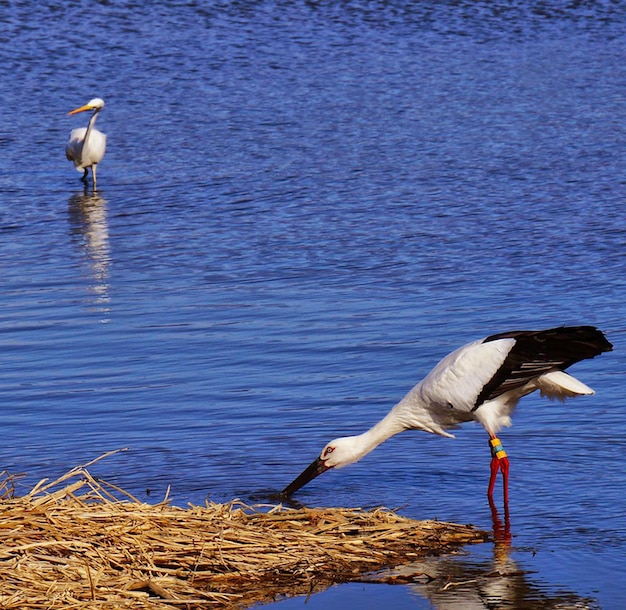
(536, 352)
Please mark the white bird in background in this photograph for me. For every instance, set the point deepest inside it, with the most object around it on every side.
(481, 381)
(86, 145)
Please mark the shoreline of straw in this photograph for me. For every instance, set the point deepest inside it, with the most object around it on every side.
(74, 542)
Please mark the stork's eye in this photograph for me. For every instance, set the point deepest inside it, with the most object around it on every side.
(329, 450)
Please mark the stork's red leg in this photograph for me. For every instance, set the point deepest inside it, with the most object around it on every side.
(499, 461)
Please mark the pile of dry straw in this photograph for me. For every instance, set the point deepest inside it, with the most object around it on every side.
(73, 543)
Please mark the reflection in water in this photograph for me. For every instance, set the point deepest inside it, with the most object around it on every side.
(501, 531)
(88, 218)
(479, 581)
(463, 583)
(454, 584)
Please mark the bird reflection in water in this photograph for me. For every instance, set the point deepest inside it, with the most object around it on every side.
(88, 220)
(478, 579)
(478, 582)
(501, 529)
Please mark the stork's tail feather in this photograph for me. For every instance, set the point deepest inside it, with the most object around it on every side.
(560, 385)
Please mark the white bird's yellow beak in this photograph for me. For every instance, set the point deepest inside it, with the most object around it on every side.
(81, 109)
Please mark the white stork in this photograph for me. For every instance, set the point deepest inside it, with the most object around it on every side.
(481, 381)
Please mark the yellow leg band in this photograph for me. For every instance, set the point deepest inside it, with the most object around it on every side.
(497, 450)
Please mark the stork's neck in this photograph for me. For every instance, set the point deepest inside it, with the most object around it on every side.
(385, 428)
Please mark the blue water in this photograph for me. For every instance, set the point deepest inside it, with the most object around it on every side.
(303, 206)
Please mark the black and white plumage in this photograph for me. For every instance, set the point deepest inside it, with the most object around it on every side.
(481, 381)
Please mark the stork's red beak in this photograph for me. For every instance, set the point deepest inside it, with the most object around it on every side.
(315, 469)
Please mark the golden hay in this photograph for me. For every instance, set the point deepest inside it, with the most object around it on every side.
(73, 544)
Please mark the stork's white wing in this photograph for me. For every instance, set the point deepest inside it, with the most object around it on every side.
(461, 376)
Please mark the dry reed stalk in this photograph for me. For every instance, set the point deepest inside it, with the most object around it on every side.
(73, 543)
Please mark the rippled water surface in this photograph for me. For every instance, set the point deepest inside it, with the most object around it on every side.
(303, 206)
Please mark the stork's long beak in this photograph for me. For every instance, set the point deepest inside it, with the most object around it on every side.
(314, 470)
(81, 109)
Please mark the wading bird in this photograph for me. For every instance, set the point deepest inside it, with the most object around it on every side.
(86, 145)
(481, 381)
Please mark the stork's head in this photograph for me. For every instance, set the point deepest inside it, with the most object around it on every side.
(338, 453)
(94, 104)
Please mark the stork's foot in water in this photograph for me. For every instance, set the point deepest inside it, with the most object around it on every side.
(499, 461)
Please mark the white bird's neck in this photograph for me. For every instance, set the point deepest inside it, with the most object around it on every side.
(411, 413)
(92, 122)
(384, 429)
